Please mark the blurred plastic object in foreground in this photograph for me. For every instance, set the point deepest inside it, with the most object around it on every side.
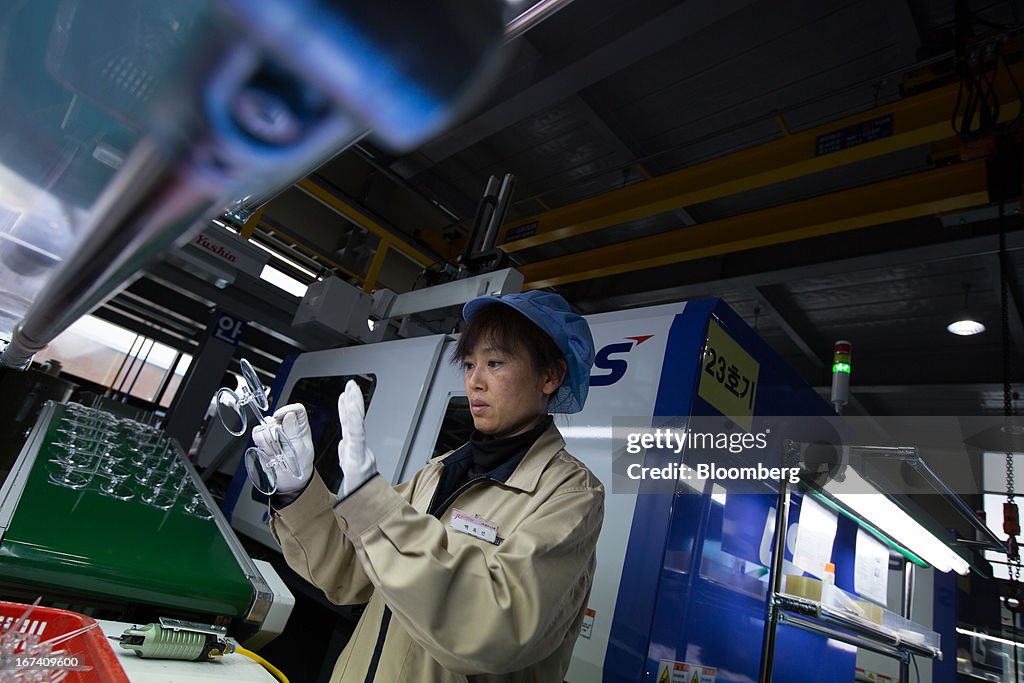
(127, 124)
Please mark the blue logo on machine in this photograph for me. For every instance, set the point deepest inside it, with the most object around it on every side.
(616, 366)
(228, 329)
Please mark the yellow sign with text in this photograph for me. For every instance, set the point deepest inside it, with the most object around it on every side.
(728, 376)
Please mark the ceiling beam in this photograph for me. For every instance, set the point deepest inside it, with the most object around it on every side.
(669, 28)
(282, 238)
(923, 389)
(914, 121)
(146, 313)
(249, 300)
(144, 328)
(741, 271)
(622, 155)
(163, 304)
(945, 189)
(364, 218)
(774, 301)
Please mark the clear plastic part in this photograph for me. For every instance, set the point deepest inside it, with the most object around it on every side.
(197, 507)
(122, 459)
(262, 466)
(231, 405)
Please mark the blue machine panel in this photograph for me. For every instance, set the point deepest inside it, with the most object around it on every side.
(697, 564)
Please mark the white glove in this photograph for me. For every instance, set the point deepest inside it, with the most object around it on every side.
(294, 423)
(357, 462)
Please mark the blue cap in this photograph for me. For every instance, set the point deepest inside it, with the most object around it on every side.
(570, 332)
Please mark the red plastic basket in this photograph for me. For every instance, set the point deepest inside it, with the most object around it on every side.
(90, 648)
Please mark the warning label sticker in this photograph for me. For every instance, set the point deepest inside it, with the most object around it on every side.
(587, 628)
(670, 671)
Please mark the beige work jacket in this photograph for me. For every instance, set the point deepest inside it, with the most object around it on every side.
(463, 608)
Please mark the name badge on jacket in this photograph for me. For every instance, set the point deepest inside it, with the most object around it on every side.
(474, 525)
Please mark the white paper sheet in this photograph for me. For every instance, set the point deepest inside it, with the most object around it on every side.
(815, 535)
(871, 570)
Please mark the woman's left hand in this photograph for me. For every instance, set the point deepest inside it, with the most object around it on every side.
(357, 462)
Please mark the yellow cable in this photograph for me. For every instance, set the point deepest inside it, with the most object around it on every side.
(266, 665)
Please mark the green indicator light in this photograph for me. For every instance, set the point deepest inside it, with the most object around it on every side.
(841, 367)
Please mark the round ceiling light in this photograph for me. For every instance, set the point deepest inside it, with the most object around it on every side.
(966, 328)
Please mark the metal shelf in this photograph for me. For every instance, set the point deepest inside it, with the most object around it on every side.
(859, 632)
(818, 618)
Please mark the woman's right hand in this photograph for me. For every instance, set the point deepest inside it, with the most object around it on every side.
(295, 424)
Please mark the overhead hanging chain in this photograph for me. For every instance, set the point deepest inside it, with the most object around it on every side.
(1011, 523)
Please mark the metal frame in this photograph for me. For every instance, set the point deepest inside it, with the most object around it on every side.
(791, 608)
(836, 634)
(14, 485)
(263, 596)
(388, 235)
(775, 583)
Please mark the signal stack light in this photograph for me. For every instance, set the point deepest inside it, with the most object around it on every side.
(841, 367)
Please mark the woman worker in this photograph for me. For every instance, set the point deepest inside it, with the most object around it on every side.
(479, 568)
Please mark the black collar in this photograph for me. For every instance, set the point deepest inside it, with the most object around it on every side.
(486, 456)
(491, 453)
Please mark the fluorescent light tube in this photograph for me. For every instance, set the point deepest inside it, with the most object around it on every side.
(885, 515)
(283, 281)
